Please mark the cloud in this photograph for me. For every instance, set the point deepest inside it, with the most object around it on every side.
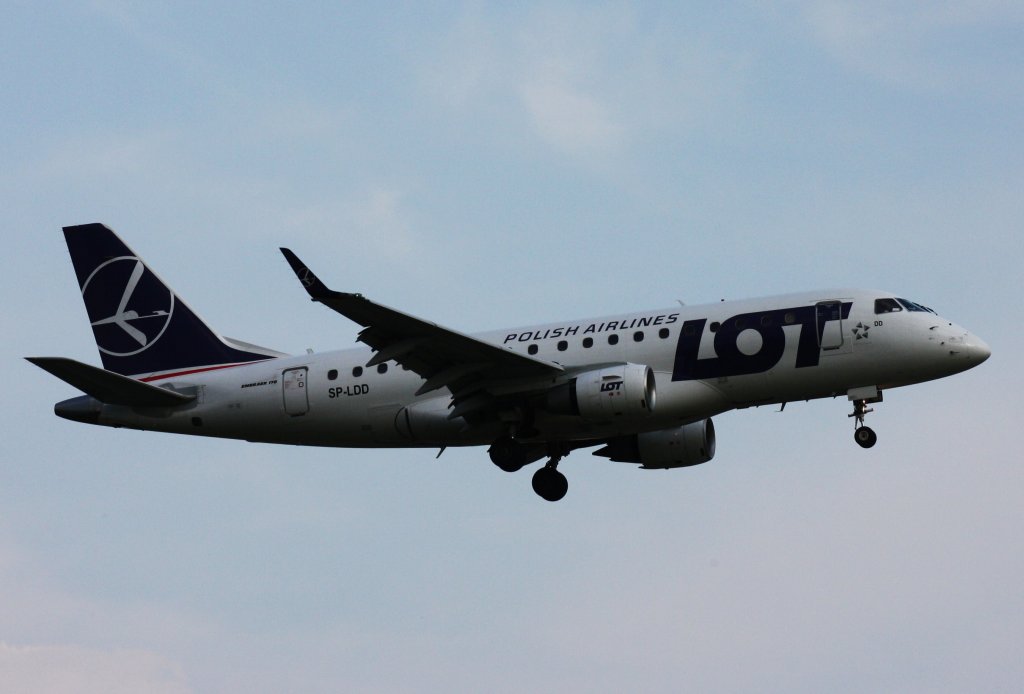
(51, 642)
(55, 669)
(568, 118)
(294, 121)
(917, 44)
(587, 82)
(109, 155)
(373, 223)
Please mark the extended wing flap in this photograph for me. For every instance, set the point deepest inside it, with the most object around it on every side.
(440, 355)
(107, 386)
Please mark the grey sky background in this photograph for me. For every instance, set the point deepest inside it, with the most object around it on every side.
(485, 165)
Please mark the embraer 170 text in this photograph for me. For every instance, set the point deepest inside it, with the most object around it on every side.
(642, 386)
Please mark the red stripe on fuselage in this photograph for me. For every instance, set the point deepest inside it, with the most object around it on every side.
(147, 379)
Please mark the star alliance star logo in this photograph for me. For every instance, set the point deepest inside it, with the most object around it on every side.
(861, 331)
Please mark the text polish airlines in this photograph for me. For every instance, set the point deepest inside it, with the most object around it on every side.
(642, 386)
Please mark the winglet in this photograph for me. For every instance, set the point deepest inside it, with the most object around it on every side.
(311, 282)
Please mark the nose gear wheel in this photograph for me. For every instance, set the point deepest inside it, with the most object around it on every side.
(863, 435)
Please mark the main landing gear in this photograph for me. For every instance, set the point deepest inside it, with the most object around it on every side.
(548, 482)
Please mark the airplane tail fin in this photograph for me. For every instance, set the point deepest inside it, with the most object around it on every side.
(141, 326)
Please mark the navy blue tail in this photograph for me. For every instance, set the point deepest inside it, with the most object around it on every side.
(141, 326)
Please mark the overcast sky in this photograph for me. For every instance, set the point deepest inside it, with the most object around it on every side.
(485, 165)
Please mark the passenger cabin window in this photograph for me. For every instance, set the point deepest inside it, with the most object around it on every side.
(887, 306)
(588, 342)
(638, 336)
(562, 345)
(332, 374)
(382, 368)
(613, 339)
(532, 349)
(357, 371)
(663, 333)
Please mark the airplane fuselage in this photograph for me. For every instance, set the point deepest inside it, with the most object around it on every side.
(641, 387)
(706, 359)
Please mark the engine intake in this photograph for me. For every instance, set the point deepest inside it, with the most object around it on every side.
(601, 395)
(690, 444)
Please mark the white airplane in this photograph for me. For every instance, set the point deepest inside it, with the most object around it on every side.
(643, 386)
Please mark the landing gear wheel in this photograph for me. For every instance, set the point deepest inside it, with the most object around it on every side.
(865, 437)
(549, 483)
(505, 453)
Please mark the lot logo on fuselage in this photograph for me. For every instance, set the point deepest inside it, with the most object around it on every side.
(129, 308)
(752, 343)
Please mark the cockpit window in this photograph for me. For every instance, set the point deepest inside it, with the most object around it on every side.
(887, 306)
(912, 306)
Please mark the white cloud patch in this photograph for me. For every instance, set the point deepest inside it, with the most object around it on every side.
(51, 642)
(102, 155)
(586, 82)
(295, 120)
(568, 118)
(374, 222)
(79, 670)
(916, 44)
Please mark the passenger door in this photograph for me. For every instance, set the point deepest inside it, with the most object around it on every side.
(830, 325)
(296, 400)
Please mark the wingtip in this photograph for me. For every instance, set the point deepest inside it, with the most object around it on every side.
(88, 226)
(312, 284)
(39, 361)
(290, 256)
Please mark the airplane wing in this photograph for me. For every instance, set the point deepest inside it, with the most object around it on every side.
(444, 357)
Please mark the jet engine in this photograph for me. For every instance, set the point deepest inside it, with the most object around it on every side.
(601, 395)
(690, 444)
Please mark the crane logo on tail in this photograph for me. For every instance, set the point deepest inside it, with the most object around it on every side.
(129, 308)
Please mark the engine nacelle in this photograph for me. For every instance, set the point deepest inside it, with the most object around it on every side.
(622, 391)
(690, 444)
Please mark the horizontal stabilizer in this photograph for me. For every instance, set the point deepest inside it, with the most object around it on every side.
(107, 386)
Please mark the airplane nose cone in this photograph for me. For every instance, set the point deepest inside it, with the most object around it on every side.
(977, 350)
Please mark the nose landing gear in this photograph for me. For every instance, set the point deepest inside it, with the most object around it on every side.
(861, 398)
(865, 436)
